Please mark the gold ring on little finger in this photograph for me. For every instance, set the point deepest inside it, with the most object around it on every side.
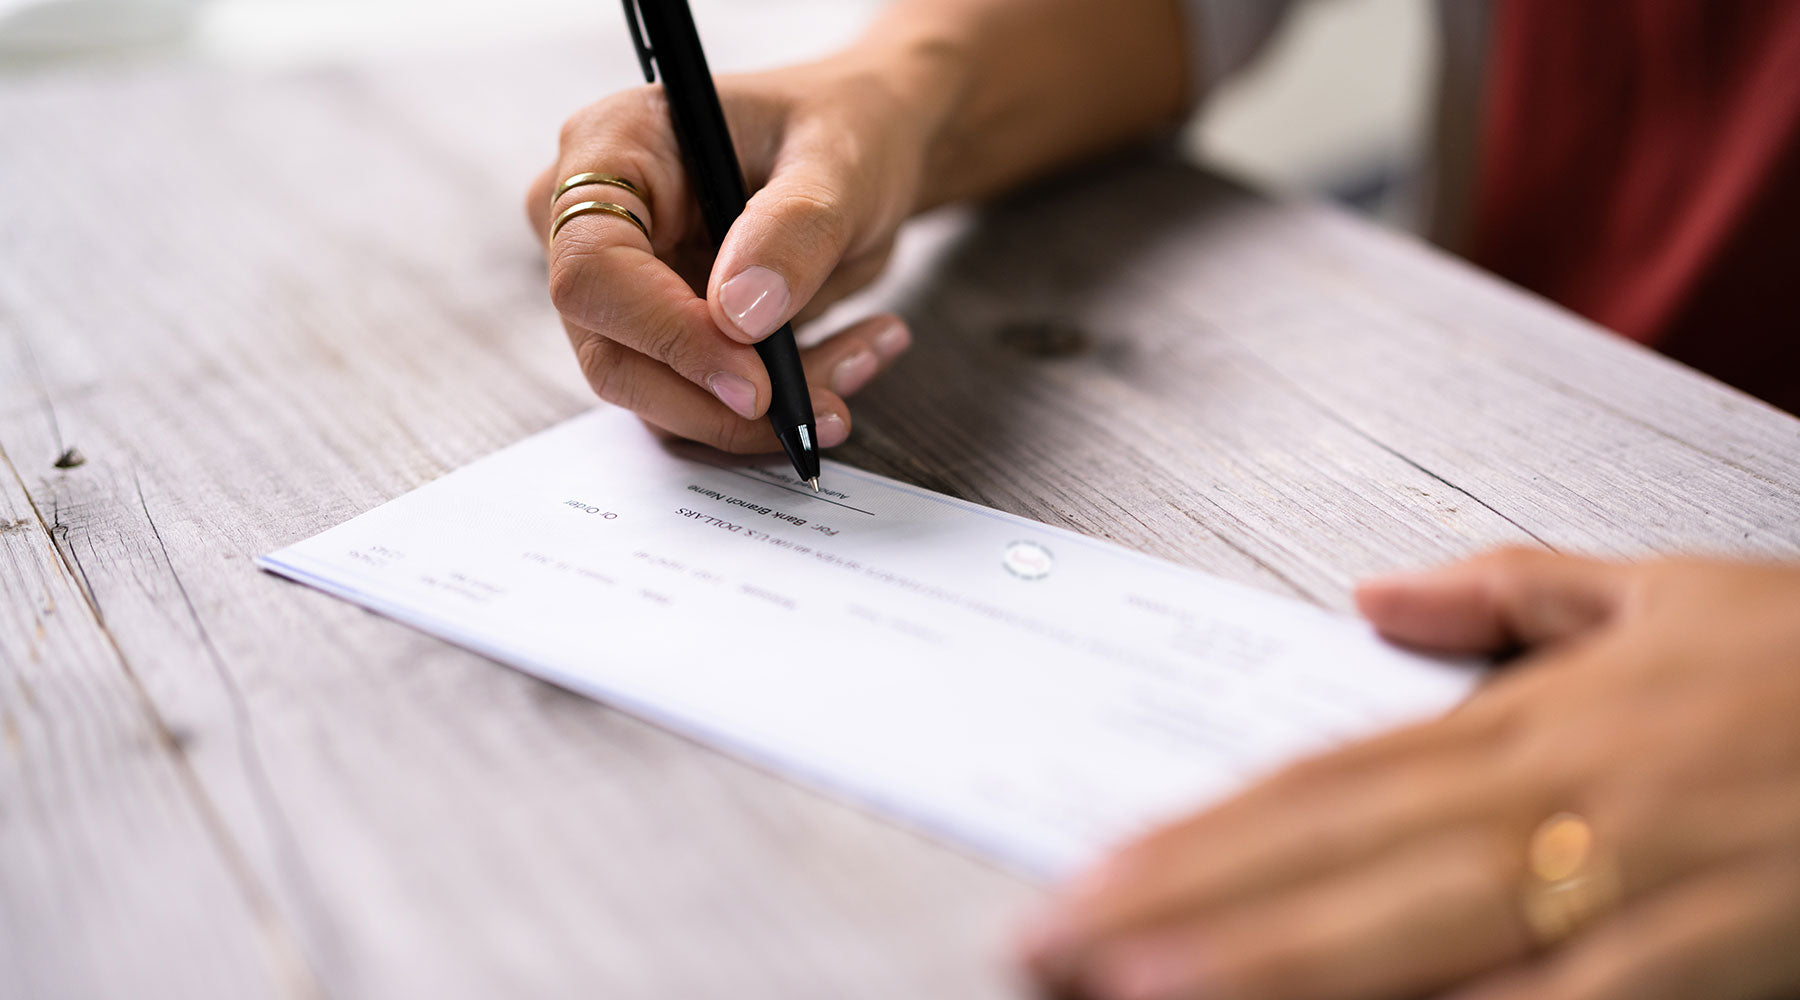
(1569, 881)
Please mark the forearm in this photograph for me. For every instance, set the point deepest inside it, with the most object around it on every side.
(1013, 88)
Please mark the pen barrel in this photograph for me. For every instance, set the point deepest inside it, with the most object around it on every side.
(718, 182)
(790, 404)
(694, 110)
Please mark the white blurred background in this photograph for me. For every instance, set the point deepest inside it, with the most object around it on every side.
(1338, 106)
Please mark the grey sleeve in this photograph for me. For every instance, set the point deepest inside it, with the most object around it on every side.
(1224, 35)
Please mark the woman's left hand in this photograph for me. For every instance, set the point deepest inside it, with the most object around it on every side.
(1659, 702)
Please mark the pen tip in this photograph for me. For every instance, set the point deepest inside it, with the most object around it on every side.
(814, 483)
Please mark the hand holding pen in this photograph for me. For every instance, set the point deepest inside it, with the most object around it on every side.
(832, 177)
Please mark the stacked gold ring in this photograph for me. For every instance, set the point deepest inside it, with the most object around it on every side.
(610, 179)
(590, 207)
(1569, 883)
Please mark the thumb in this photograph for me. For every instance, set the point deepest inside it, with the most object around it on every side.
(1505, 598)
(792, 235)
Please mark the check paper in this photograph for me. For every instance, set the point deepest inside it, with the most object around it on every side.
(1021, 690)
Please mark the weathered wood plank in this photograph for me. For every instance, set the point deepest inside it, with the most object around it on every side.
(112, 866)
(1444, 401)
(1580, 437)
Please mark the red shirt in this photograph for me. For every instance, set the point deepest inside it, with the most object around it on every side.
(1641, 165)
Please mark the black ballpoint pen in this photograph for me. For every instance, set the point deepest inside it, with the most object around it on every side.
(666, 40)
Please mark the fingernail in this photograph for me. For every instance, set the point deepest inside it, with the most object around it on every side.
(1146, 974)
(1043, 941)
(854, 372)
(755, 299)
(734, 391)
(891, 341)
(832, 431)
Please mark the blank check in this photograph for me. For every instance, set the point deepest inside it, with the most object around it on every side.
(1020, 690)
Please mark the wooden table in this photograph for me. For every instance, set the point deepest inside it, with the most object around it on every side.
(240, 309)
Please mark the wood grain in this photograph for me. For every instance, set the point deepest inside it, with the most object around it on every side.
(1348, 398)
(111, 859)
(312, 292)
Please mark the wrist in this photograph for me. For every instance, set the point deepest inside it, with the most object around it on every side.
(1005, 90)
(924, 58)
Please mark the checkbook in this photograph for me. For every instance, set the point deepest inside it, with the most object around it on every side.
(1017, 690)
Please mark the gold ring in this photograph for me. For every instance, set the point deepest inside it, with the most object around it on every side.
(611, 179)
(589, 207)
(1569, 883)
